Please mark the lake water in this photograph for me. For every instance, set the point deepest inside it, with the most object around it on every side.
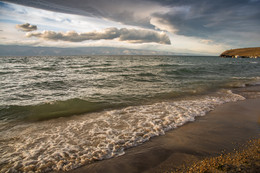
(59, 113)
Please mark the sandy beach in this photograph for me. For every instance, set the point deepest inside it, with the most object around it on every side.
(129, 86)
(224, 129)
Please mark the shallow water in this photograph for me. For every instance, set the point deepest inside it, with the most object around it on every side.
(59, 113)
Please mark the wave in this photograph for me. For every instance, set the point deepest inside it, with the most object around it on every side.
(188, 71)
(68, 143)
(51, 110)
(241, 82)
(146, 74)
(168, 65)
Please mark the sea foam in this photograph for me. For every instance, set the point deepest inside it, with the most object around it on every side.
(63, 144)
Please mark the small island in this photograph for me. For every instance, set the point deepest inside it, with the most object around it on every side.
(253, 52)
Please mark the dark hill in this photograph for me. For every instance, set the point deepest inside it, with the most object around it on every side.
(253, 52)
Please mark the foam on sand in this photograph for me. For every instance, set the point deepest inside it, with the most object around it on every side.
(67, 143)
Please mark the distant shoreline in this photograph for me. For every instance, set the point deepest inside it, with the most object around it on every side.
(253, 52)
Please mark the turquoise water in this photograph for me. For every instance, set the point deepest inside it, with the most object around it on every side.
(59, 113)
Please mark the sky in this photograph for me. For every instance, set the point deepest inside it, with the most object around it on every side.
(199, 27)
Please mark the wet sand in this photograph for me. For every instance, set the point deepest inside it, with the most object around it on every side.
(227, 127)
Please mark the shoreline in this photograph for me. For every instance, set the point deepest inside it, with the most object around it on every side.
(222, 129)
(244, 159)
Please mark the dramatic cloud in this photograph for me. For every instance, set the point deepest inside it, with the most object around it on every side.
(202, 18)
(124, 34)
(163, 24)
(198, 18)
(132, 12)
(233, 23)
(26, 27)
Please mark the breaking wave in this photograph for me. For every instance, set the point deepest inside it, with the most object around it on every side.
(63, 144)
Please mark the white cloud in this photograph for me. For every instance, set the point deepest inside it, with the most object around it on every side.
(48, 20)
(205, 41)
(162, 24)
(60, 23)
(123, 34)
(26, 27)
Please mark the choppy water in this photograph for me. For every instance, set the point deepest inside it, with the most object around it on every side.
(59, 113)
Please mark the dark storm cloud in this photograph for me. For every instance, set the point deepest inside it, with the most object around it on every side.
(123, 11)
(26, 27)
(124, 34)
(199, 18)
(203, 17)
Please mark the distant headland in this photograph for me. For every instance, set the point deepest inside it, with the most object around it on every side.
(253, 52)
